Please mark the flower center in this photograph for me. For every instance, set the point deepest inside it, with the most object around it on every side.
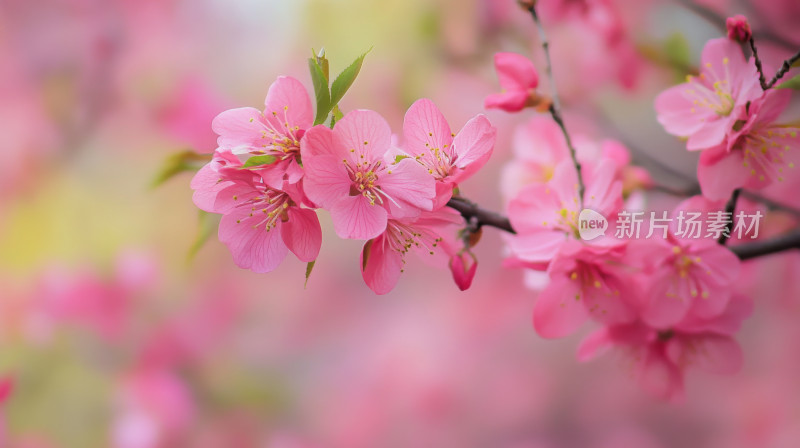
(266, 209)
(364, 178)
(402, 238)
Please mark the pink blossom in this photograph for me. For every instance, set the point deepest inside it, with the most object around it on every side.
(585, 282)
(429, 234)
(685, 277)
(449, 158)
(349, 175)
(518, 78)
(277, 131)
(706, 108)
(738, 28)
(187, 116)
(463, 266)
(756, 152)
(260, 223)
(659, 358)
(546, 216)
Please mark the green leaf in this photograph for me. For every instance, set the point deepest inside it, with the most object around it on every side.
(399, 158)
(336, 115)
(321, 91)
(345, 79)
(677, 52)
(309, 268)
(266, 159)
(208, 223)
(791, 83)
(179, 162)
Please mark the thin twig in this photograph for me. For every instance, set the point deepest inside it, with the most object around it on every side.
(730, 208)
(555, 105)
(761, 248)
(785, 67)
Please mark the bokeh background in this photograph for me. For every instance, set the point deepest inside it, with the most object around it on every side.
(111, 335)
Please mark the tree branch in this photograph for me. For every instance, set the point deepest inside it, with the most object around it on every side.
(761, 248)
(785, 67)
(730, 208)
(474, 213)
(555, 105)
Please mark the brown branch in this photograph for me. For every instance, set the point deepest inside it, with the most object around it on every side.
(730, 208)
(473, 213)
(761, 248)
(785, 67)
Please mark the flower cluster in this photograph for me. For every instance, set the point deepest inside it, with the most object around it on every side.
(724, 113)
(666, 302)
(274, 169)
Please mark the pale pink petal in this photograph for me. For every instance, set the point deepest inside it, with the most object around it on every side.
(354, 218)
(559, 310)
(364, 131)
(667, 305)
(473, 146)
(718, 50)
(610, 301)
(674, 111)
(775, 102)
(660, 377)
(604, 193)
(381, 266)
(252, 246)
(739, 308)
(711, 353)
(237, 127)
(718, 178)
(326, 180)
(425, 128)
(594, 345)
(710, 135)
(302, 233)
(510, 101)
(408, 181)
(516, 72)
(535, 208)
(287, 102)
(536, 247)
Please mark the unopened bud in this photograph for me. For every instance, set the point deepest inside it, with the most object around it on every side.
(738, 28)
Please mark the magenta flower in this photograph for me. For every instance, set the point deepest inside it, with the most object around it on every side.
(277, 131)
(429, 234)
(349, 175)
(585, 282)
(545, 216)
(738, 28)
(756, 153)
(519, 80)
(449, 158)
(659, 358)
(706, 108)
(463, 266)
(260, 223)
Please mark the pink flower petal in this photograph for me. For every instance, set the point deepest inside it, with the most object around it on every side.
(302, 233)
(409, 182)
(711, 353)
(516, 72)
(252, 247)
(381, 266)
(559, 310)
(288, 105)
(238, 127)
(354, 218)
(473, 146)
(425, 128)
(326, 180)
(366, 130)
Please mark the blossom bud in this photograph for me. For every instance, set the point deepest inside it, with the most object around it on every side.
(463, 266)
(738, 28)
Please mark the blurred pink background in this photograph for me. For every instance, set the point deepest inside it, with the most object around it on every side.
(111, 338)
